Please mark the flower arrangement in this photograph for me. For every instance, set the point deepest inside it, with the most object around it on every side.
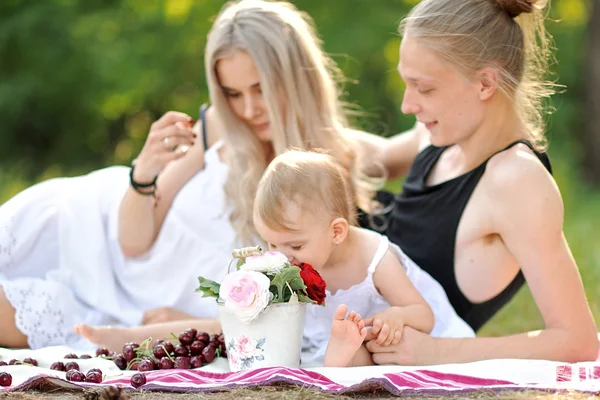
(261, 279)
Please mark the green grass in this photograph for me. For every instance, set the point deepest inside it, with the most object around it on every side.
(582, 212)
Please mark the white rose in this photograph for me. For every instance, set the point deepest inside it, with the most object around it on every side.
(246, 294)
(271, 262)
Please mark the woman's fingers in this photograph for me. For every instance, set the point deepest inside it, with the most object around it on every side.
(171, 118)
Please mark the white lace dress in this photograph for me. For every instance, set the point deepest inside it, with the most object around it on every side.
(60, 262)
(366, 301)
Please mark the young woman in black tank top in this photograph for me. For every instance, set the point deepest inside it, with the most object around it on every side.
(479, 209)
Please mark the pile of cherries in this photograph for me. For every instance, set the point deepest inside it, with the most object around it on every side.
(191, 349)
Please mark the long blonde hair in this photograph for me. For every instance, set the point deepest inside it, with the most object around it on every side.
(508, 35)
(312, 181)
(287, 53)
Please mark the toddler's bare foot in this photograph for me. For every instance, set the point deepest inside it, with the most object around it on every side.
(107, 337)
(347, 335)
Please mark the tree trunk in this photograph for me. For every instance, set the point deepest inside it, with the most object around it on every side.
(591, 135)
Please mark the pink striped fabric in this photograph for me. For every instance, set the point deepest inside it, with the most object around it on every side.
(405, 383)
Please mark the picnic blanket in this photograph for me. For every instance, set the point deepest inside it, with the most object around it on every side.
(492, 375)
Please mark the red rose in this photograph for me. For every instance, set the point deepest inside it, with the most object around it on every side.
(315, 285)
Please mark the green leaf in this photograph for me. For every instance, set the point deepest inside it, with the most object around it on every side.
(240, 262)
(208, 288)
(285, 283)
(305, 299)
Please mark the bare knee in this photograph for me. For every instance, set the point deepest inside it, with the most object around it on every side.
(10, 336)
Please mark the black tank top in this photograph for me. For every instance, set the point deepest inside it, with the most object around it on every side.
(424, 223)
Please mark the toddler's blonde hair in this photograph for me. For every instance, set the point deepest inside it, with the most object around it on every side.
(311, 180)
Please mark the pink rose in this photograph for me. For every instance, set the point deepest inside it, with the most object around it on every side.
(246, 293)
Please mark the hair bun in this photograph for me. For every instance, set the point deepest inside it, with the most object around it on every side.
(514, 8)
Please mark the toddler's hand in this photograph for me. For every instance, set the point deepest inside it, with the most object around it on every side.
(386, 327)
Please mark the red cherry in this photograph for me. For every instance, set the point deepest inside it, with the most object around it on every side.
(182, 363)
(191, 332)
(138, 380)
(196, 348)
(145, 365)
(120, 362)
(165, 363)
(185, 340)
(196, 362)
(75, 376)
(58, 366)
(71, 365)
(102, 352)
(203, 337)
(5, 379)
(93, 377)
(159, 351)
(129, 351)
(30, 361)
(209, 354)
(181, 351)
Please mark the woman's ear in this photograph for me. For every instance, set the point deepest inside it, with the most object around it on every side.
(339, 230)
(489, 80)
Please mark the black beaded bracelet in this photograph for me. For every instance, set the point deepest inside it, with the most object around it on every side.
(138, 187)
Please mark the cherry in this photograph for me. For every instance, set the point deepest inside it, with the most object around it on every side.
(14, 362)
(138, 380)
(196, 361)
(159, 351)
(196, 348)
(181, 351)
(203, 337)
(5, 379)
(85, 356)
(120, 362)
(165, 363)
(169, 347)
(182, 363)
(214, 339)
(93, 377)
(71, 356)
(2, 363)
(58, 366)
(129, 351)
(191, 332)
(30, 361)
(209, 354)
(71, 365)
(102, 352)
(185, 339)
(98, 370)
(145, 365)
(75, 376)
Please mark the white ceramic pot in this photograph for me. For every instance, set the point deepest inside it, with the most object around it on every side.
(273, 339)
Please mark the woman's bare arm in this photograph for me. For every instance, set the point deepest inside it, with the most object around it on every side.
(141, 217)
(528, 216)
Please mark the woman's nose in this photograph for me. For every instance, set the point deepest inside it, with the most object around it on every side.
(409, 105)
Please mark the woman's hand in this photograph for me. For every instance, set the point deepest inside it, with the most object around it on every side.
(164, 314)
(414, 348)
(167, 141)
(386, 326)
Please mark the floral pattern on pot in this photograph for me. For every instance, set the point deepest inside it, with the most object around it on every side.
(243, 352)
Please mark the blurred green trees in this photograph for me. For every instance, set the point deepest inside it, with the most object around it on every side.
(81, 81)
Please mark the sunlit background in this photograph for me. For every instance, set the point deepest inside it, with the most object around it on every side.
(81, 81)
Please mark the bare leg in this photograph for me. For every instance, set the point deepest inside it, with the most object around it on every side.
(10, 336)
(347, 336)
(113, 338)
